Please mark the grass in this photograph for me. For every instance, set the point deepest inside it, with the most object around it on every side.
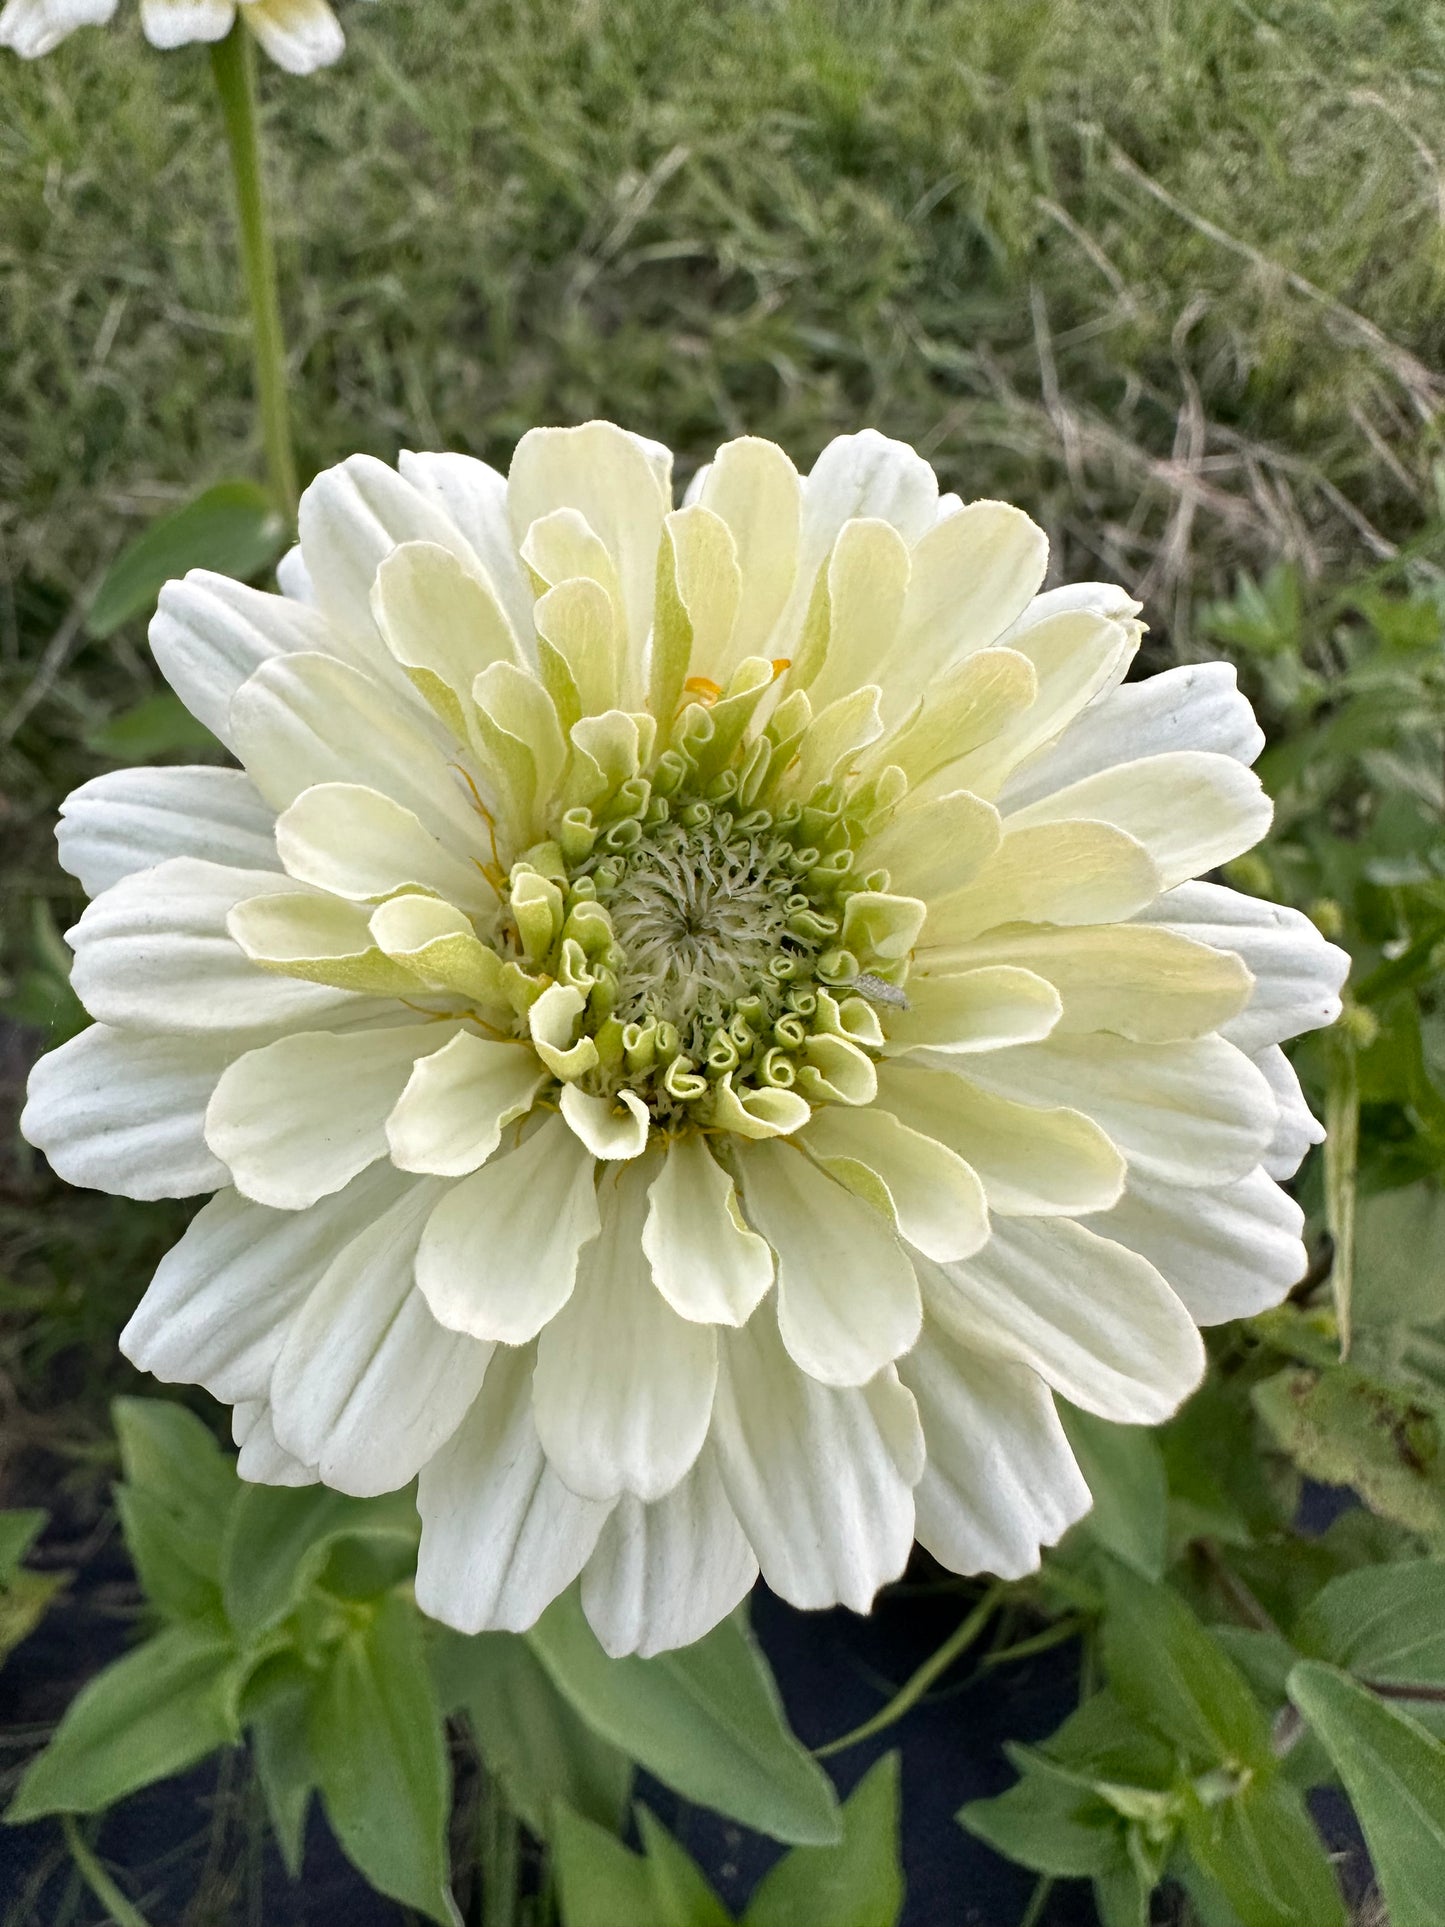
(1170, 275)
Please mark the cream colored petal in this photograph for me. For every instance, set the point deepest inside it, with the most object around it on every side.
(1095, 1321)
(611, 1128)
(501, 1535)
(132, 819)
(705, 1261)
(935, 1200)
(605, 475)
(1148, 984)
(443, 626)
(973, 573)
(303, 720)
(299, 35)
(934, 847)
(473, 497)
(1194, 1112)
(623, 1390)
(356, 843)
(209, 635)
(1229, 1251)
(450, 1117)
(1047, 873)
(820, 1477)
(318, 940)
(867, 580)
(154, 954)
(847, 1298)
(698, 597)
(1297, 975)
(368, 1385)
(975, 1010)
(1197, 706)
(1034, 1161)
(961, 710)
(1001, 1481)
(754, 489)
(298, 1119)
(1191, 809)
(440, 946)
(125, 1114)
(663, 1575)
(499, 1255)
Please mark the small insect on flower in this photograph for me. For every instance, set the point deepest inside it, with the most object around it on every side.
(699, 1019)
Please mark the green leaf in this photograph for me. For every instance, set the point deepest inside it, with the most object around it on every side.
(1400, 1257)
(151, 1714)
(681, 1891)
(858, 1883)
(599, 1883)
(159, 725)
(707, 1721)
(18, 1533)
(1102, 1741)
(1124, 1469)
(375, 1737)
(282, 1753)
(1168, 1671)
(173, 1507)
(1261, 1849)
(279, 1539)
(231, 528)
(22, 1605)
(530, 1737)
(1385, 1622)
(1121, 1897)
(1344, 1428)
(1051, 1826)
(1394, 1773)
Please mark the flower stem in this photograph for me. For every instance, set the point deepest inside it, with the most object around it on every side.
(233, 62)
(913, 1689)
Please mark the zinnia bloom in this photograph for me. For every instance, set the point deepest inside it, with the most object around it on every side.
(699, 1021)
(299, 35)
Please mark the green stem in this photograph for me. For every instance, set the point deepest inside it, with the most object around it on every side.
(97, 1879)
(233, 61)
(913, 1689)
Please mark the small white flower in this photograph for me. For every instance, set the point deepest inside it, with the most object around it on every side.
(699, 1021)
(299, 35)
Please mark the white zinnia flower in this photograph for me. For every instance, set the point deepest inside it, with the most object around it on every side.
(699, 1022)
(299, 35)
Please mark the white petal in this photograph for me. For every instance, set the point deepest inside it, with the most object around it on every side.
(1229, 1251)
(124, 1114)
(474, 496)
(1001, 1481)
(218, 1309)
(1193, 1112)
(31, 28)
(261, 1461)
(664, 1574)
(449, 1118)
(351, 518)
(1191, 809)
(501, 1535)
(1095, 1321)
(865, 475)
(705, 1261)
(132, 819)
(356, 843)
(973, 574)
(848, 1301)
(177, 23)
(210, 634)
(611, 1128)
(821, 1478)
(1034, 1162)
(300, 1118)
(605, 475)
(303, 720)
(299, 35)
(1297, 975)
(935, 1199)
(499, 1255)
(1197, 706)
(368, 1384)
(623, 1389)
(154, 954)
(1296, 1126)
